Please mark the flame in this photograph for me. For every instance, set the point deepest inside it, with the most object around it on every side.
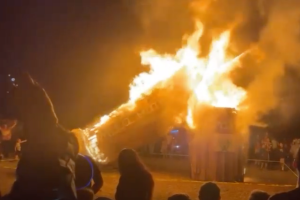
(189, 119)
(207, 77)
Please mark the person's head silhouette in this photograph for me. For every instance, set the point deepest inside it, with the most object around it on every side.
(129, 162)
(209, 191)
(179, 197)
(259, 195)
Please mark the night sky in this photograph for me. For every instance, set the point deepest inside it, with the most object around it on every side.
(83, 54)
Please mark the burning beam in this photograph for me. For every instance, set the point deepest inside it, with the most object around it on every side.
(132, 126)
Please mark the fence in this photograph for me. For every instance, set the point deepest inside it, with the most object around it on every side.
(278, 162)
(166, 155)
(170, 158)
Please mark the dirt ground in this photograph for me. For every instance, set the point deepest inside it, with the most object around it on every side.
(165, 185)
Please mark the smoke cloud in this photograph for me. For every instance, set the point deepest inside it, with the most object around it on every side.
(279, 46)
(164, 22)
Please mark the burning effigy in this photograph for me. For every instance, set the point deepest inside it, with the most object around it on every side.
(182, 87)
(131, 124)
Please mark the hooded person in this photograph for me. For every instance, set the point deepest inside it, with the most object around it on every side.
(46, 169)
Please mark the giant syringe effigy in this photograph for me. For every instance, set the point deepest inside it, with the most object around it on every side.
(173, 90)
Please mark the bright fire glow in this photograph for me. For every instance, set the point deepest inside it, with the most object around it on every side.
(207, 77)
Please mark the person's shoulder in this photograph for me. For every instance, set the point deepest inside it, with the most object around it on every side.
(144, 171)
(279, 196)
(148, 175)
(70, 137)
(91, 159)
(290, 195)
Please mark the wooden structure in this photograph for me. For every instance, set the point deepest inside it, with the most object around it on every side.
(135, 125)
(216, 147)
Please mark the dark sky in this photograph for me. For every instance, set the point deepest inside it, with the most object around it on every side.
(84, 53)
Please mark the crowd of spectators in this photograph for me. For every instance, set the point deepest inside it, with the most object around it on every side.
(271, 154)
(136, 182)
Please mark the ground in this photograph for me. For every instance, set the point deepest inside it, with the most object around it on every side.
(166, 185)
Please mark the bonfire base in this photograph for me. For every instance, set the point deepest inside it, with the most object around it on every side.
(216, 148)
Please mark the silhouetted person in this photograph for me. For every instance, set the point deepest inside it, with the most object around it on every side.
(259, 195)
(46, 168)
(136, 182)
(179, 197)
(88, 177)
(209, 191)
(293, 194)
(6, 137)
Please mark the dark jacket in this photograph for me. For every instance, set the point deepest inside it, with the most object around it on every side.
(138, 186)
(87, 171)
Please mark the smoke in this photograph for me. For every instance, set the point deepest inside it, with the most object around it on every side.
(270, 28)
(279, 46)
(164, 22)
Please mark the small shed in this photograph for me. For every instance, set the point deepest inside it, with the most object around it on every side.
(216, 148)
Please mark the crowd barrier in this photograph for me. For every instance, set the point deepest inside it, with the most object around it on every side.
(248, 161)
(168, 155)
(274, 161)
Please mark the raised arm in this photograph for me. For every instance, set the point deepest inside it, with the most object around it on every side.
(14, 124)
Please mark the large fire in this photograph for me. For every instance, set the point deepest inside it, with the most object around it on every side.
(207, 77)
